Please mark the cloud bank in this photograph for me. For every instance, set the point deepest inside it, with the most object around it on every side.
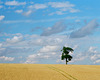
(86, 30)
(56, 28)
(14, 3)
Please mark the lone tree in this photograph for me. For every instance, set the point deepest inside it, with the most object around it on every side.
(65, 54)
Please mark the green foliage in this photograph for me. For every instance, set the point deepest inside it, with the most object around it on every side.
(65, 54)
(62, 57)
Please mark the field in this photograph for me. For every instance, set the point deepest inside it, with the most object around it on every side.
(49, 72)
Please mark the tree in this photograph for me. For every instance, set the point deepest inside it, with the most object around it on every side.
(65, 54)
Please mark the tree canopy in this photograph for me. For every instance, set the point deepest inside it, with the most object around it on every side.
(65, 54)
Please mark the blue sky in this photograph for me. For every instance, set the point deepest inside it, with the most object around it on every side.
(34, 31)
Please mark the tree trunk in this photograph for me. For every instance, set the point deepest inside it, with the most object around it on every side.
(66, 61)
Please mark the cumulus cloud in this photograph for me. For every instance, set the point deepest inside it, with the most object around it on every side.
(34, 7)
(63, 7)
(97, 61)
(2, 17)
(19, 11)
(90, 53)
(39, 49)
(17, 44)
(14, 3)
(49, 48)
(86, 30)
(44, 40)
(92, 50)
(93, 57)
(78, 58)
(61, 4)
(35, 58)
(15, 39)
(45, 53)
(4, 58)
(56, 28)
(72, 10)
(51, 51)
(38, 6)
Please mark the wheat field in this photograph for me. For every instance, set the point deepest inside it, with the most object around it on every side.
(49, 72)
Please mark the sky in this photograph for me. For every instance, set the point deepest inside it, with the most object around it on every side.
(35, 31)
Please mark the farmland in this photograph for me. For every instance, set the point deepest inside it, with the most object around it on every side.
(49, 72)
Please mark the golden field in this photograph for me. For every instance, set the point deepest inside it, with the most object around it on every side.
(49, 72)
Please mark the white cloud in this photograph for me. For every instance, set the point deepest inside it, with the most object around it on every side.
(91, 54)
(61, 4)
(34, 7)
(45, 46)
(95, 57)
(15, 39)
(19, 11)
(38, 6)
(2, 17)
(44, 41)
(35, 58)
(86, 30)
(6, 58)
(14, 3)
(97, 61)
(27, 13)
(74, 10)
(30, 62)
(50, 48)
(92, 50)
(79, 58)
(56, 28)
(47, 49)
(40, 49)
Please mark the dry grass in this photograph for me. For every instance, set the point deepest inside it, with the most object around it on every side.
(49, 72)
